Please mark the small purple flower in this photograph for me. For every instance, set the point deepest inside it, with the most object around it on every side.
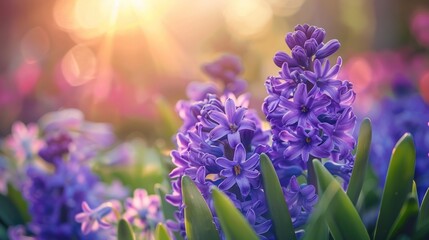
(305, 143)
(231, 123)
(324, 79)
(328, 49)
(93, 219)
(239, 170)
(24, 141)
(304, 108)
(143, 210)
(300, 198)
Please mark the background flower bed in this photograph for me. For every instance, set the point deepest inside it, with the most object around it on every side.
(391, 86)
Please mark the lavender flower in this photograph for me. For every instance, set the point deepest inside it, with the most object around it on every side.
(239, 170)
(92, 219)
(230, 123)
(300, 199)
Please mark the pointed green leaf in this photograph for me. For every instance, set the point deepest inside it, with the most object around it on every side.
(234, 224)
(199, 222)
(406, 221)
(341, 216)
(161, 232)
(361, 161)
(124, 230)
(398, 185)
(9, 214)
(167, 209)
(277, 206)
(424, 210)
(316, 227)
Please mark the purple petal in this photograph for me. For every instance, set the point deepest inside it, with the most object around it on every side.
(227, 183)
(230, 109)
(251, 174)
(252, 162)
(218, 132)
(225, 163)
(244, 185)
(239, 154)
(234, 139)
(219, 118)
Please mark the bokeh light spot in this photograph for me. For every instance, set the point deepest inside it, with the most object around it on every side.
(247, 18)
(79, 65)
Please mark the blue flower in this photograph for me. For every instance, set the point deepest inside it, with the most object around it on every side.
(239, 170)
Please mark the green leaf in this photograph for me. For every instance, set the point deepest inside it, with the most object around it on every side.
(422, 232)
(161, 232)
(361, 162)
(234, 224)
(9, 213)
(277, 206)
(341, 216)
(406, 221)
(167, 209)
(398, 185)
(424, 211)
(199, 222)
(124, 230)
(316, 227)
(18, 200)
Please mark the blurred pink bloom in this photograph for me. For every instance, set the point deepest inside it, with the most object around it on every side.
(143, 210)
(420, 26)
(24, 141)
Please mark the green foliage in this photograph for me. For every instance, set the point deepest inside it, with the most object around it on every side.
(341, 216)
(161, 232)
(279, 211)
(199, 222)
(9, 213)
(406, 221)
(424, 211)
(124, 231)
(234, 224)
(361, 161)
(398, 185)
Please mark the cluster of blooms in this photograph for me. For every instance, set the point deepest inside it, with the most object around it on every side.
(310, 114)
(219, 145)
(143, 212)
(49, 168)
(399, 115)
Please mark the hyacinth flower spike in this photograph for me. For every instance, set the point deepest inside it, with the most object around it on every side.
(93, 219)
(239, 170)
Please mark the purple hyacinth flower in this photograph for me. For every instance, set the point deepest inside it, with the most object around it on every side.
(239, 170)
(92, 219)
(304, 108)
(299, 197)
(231, 123)
(303, 143)
(323, 79)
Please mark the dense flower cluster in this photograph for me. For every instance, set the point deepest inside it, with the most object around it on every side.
(49, 166)
(219, 145)
(310, 114)
(391, 119)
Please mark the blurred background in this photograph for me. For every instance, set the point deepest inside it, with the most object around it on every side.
(127, 62)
